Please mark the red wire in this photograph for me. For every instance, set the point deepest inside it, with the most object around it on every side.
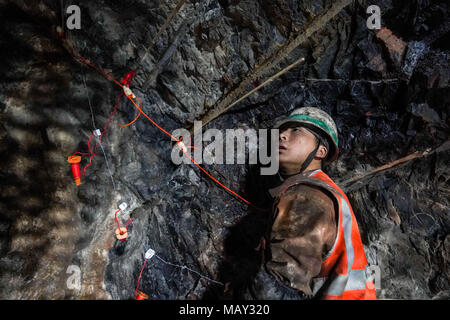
(128, 223)
(193, 161)
(167, 133)
(118, 225)
(139, 278)
(117, 221)
(112, 114)
(126, 80)
(89, 142)
(129, 124)
(154, 123)
(91, 153)
(85, 61)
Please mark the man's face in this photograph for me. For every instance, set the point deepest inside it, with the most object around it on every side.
(296, 143)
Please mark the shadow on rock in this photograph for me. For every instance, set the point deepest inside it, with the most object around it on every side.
(242, 258)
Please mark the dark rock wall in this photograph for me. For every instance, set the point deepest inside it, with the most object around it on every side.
(389, 99)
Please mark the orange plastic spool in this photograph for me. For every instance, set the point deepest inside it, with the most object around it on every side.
(141, 296)
(121, 234)
(75, 162)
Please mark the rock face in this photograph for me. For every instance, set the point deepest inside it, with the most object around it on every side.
(388, 101)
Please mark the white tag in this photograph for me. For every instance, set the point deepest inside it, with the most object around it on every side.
(128, 92)
(97, 132)
(123, 206)
(182, 146)
(150, 253)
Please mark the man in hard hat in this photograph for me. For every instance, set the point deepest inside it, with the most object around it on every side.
(313, 247)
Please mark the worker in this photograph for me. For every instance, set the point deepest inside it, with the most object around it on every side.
(312, 248)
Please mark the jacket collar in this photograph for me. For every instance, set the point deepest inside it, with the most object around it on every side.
(291, 180)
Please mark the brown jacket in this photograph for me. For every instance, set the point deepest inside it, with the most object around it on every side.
(303, 231)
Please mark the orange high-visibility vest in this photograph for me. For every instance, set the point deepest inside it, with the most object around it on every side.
(343, 272)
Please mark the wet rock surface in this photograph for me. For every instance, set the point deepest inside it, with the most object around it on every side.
(389, 95)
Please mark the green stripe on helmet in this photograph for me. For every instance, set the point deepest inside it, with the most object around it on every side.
(317, 122)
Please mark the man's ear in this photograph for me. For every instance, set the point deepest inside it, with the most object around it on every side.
(321, 152)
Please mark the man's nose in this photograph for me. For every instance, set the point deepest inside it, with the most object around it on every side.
(283, 135)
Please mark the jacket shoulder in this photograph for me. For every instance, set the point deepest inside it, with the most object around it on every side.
(304, 205)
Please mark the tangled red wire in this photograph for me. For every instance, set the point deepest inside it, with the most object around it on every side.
(124, 84)
(126, 81)
(117, 220)
(139, 278)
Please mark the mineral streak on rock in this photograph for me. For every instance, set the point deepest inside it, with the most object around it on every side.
(394, 45)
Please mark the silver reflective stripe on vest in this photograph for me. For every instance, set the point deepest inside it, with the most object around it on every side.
(347, 226)
(354, 279)
(339, 283)
(357, 280)
(314, 172)
(317, 283)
